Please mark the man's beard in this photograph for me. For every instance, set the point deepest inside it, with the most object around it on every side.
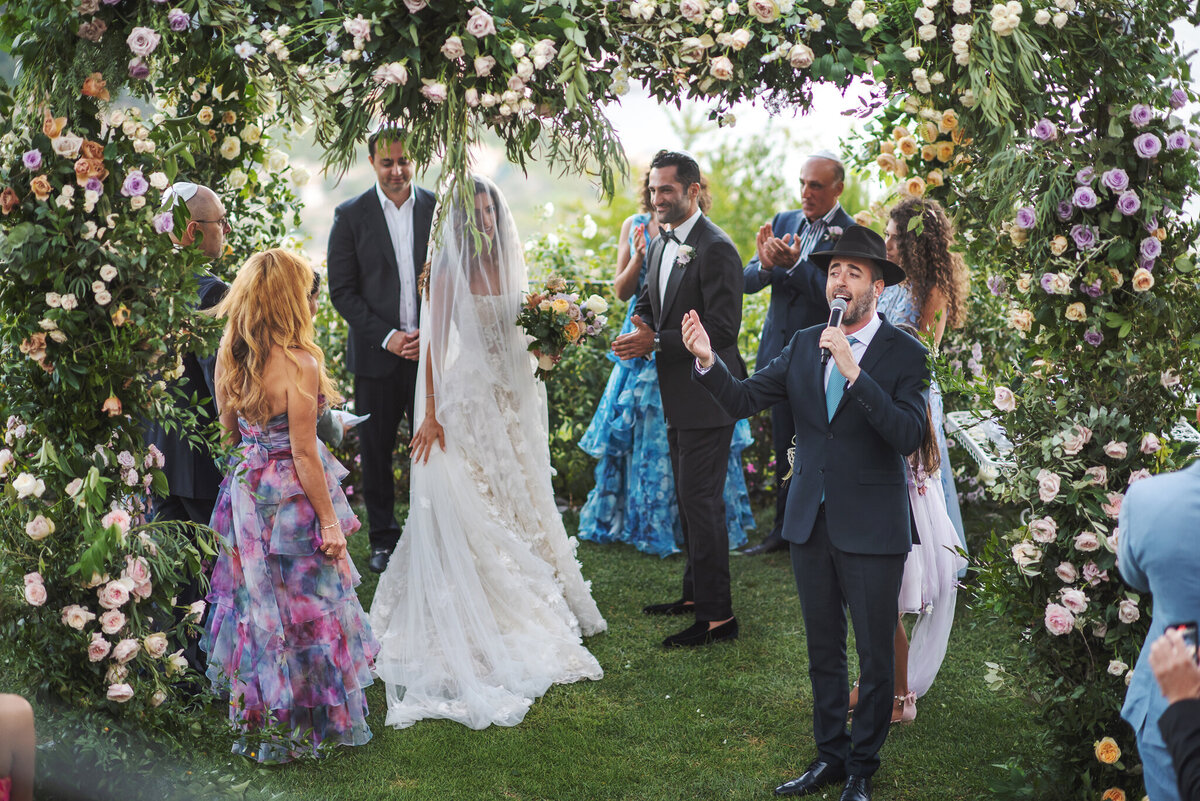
(858, 309)
(674, 214)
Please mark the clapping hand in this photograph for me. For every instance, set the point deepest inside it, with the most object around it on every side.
(1174, 664)
(695, 338)
(639, 242)
(775, 252)
(637, 343)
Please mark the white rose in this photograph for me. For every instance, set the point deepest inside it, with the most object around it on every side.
(1128, 611)
(251, 134)
(927, 33)
(1042, 16)
(277, 161)
(70, 302)
(525, 69)
(435, 91)
(137, 202)
(300, 176)
(1059, 19)
(596, 304)
(236, 178)
(26, 484)
(924, 15)
(158, 180)
(913, 54)
(103, 297)
(176, 663)
(740, 38)
(231, 148)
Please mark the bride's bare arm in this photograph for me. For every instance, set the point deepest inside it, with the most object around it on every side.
(430, 430)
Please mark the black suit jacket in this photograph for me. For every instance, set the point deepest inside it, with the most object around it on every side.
(711, 283)
(364, 280)
(856, 459)
(797, 300)
(1180, 727)
(191, 471)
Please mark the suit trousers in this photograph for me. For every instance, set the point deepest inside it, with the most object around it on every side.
(192, 510)
(388, 399)
(830, 581)
(783, 429)
(700, 460)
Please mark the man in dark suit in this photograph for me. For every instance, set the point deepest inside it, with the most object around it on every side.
(693, 265)
(1176, 667)
(190, 469)
(847, 517)
(782, 262)
(377, 250)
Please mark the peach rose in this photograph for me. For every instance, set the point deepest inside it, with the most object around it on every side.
(1076, 312)
(1075, 439)
(120, 316)
(9, 200)
(52, 126)
(114, 594)
(935, 178)
(95, 86)
(945, 151)
(41, 188)
(721, 68)
(1107, 750)
(1143, 280)
(111, 406)
(35, 591)
(1113, 793)
(76, 616)
(92, 150)
(915, 186)
(1021, 319)
(155, 644)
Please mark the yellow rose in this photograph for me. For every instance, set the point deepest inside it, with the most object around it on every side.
(935, 178)
(1107, 750)
(907, 145)
(928, 152)
(1113, 794)
(887, 162)
(899, 132)
(1058, 245)
(560, 306)
(1076, 313)
(231, 147)
(945, 151)
(120, 315)
(573, 330)
(52, 126)
(888, 147)
(1142, 280)
(949, 121)
(914, 186)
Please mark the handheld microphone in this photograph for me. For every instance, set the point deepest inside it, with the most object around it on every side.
(836, 310)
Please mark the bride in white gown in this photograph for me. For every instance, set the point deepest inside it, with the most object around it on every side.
(483, 605)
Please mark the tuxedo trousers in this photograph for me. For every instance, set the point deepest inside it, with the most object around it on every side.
(388, 399)
(700, 461)
(831, 581)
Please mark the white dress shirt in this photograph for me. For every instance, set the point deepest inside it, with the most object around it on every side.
(400, 230)
(671, 252)
(862, 338)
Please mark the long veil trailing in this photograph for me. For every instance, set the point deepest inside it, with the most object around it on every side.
(483, 604)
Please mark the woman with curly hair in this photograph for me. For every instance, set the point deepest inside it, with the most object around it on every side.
(633, 500)
(287, 640)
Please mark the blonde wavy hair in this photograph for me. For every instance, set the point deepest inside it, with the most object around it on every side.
(266, 306)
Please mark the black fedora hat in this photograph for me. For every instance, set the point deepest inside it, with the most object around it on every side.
(860, 242)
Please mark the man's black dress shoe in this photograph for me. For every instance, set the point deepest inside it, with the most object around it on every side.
(673, 608)
(858, 788)
(700, 634)
(819, 774)
(774, 542)
(379, 559)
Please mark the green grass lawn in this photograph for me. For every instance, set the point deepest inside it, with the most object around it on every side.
(727, 721)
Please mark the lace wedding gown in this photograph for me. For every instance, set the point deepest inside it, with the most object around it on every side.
(483, 604)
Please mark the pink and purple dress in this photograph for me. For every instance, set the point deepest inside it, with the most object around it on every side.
(287, 640)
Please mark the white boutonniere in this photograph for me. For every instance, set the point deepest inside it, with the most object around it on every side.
(835, 232)
(684, 256)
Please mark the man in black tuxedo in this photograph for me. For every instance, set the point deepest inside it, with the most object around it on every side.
(847, 515)
(190, 469)
(693, 265)
(781, 262)
(377, 250)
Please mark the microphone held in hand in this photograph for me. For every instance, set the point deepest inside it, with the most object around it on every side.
(836, 310)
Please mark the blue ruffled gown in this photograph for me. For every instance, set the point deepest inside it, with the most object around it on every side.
(898, 306)
(633, 500)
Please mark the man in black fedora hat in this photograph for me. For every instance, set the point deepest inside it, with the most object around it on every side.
(847, 518)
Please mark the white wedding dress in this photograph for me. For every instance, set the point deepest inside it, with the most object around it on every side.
(483, 604)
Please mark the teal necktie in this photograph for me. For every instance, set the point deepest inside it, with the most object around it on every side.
(833, 393)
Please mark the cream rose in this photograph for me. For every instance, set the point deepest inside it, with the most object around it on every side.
(205, 115)
(1026, 555)
(1150, 444)
(76, 616)
(231, 147)
(763, 10)
(1142, 280)
(1021, 319)
(176, 663)
(721, 68)
(801, 56)
(1004, 399)
(1076, 312)
(1128, 612)
(155, 645)
(1058, 245)
(120, 693)
(39, 528)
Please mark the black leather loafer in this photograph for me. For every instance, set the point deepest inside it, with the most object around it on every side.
(701, 634)
(673, 608)
(773, 542)
(820, 774)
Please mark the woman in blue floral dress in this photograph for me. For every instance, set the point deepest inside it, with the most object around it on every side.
(633, 500)
(287, 641)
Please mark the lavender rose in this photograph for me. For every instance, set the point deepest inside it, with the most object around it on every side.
(178, 20)
(1045, 130)
(143, 41)
(1066, 210)
(135, 184)
(1085, 176)
(1093, 337)
(1085, 198)
(1178, 140)
(1140, 115)
(32, 159)
(1084, 236)
(1179, 99)
(1150, 248)
(163, 223)
(1047, 283)
(1027, 217)
(996, 285)
(1115, 179)
(1128, 203)
(1147, 145)
(138, 69)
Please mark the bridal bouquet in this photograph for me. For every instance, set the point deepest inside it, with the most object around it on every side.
(556, 319)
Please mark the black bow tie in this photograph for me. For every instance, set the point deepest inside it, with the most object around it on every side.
(669, 235)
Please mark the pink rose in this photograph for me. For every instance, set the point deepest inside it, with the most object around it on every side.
(1113, 507)
(1087, 541)
(801, 56)
(1150, 444)
(452, 48)
(1093, 575)
(1044, 529)
(1066, 572)
(112, 621)
(1098, 475)
(115, 594)
(137, 570)
(117, 517)
(721, 68)
(76, 616)
(1116, 450)
(692, 10)
(155, 644)
(143, 41)
(1059, 620)
(484, 65)
(1075, 439)
(1110, 541)
(125, 650)
(434, 91)
(358, 27)
(414, 6)
(98, 648)
(1128, 612)
(1005, 400)
(1075, 600)
(395, 72)
(35, 594)
(763, 10)
(120, 693)
(1048, 485)
(480, 23)
(1138, 475)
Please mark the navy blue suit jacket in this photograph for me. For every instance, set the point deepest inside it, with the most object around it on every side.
(797, 300)
(856, 459)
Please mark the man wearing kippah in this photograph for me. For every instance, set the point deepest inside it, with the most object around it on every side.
(781, 262)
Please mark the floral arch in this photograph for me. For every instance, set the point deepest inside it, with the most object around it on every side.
(1051, 129)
